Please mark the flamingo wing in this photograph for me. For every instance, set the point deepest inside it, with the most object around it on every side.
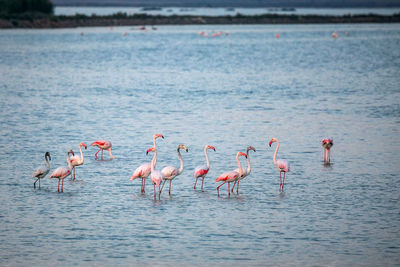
(142, 171)
(156, 177)
(283, 164)
(200, 171)
(244, 173)
(76, 160)
(102, 144)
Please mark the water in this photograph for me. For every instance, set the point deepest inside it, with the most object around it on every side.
(60, 88)
(204, 11)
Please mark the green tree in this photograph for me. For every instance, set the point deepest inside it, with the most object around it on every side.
(22, 6)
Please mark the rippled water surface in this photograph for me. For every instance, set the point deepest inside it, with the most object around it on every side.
(60, 88)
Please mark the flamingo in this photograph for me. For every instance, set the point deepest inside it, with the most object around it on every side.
(327, 143)
(156, 176)
(77, 160)
(334, 34)
(232, 175)
(244, 172)
(42, 171)
(62, 172)
(103, 144)
(201, 171)
(144, 170)
(170, 172)
(281, 164)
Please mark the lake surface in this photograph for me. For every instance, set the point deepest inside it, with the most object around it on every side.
(60, 88)
(204, 11)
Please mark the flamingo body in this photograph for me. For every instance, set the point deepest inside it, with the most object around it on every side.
(170, 172)
(231, 176)
(281, 164)
(201, 171)
(62, 172)
(77, 160)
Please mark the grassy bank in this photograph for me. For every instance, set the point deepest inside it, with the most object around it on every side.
(38, 20)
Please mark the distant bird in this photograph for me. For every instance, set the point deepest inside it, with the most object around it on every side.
(144, 170)
(201, 171)
(156, 176)
(62, 172)
(124, 34)
(77, 160)
(42, 171)
(232, 175)
(327, 143)
(334, 34)
(170, 172)
(103, 144)
(281, 164)
(244, 172)
(277, 35)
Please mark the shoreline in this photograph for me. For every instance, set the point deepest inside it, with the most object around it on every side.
(40, 21)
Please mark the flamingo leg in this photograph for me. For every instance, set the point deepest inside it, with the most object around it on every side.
(34, 184)
(58, 189)
(144, 184)
(39, 183)
(101, 154)
(162, 187)
(74, 173)
(62, 185)
(154, 191)
(159, 193)
(329, 155)
(220, 186)
(280, 178)
(141, 188)
(229, 190)
(237, 187)
(194, 187)
(233, 186)
(169, 192)
(97, 153)
(202, 182)
(283, 183)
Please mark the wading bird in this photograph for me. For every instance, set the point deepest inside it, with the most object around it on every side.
(156, 176)
(232, 175)
(170, 172)
(62, 172)
(103, 145)
(201, 171)
(42, 171)
(281, 164)
(77, 160)
(327, 143)
(244, 172)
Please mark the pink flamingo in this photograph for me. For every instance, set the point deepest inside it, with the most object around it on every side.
(232, 175)
(103, 144)
(170, 172)
(42, 171)
(144, 170)
(244, 172)
(62, 172)
(281, 164)
(201, 171)
(156, 176)
(327, 143)
(77, 160)
(334, 34)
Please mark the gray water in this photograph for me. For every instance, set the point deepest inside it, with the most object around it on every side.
(60, 88)
(208, 11)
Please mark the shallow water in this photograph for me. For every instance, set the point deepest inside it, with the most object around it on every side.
(60, 88)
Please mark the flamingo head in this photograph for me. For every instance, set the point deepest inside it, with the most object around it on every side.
(250, 148)
(272, 140)
(72, 152)
(158, 136)
(83, 144)
(150, 150)
(210, 147)
(47, 155)
(183, 147)
(241, 154)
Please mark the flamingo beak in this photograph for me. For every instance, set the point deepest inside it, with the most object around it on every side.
(84, 146)
(213, 148)
(270, 143)
(148, 150)
(243, 154)
(187, 149)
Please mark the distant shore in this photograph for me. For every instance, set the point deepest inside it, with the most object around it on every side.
(122, 19)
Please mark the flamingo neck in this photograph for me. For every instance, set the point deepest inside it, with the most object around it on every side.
(154, 161)
(180, 159)
(276, 151)
(69, 161)
(248, 163)
(239, 165)
(47, 162)
(208, 162)
(80, 149)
